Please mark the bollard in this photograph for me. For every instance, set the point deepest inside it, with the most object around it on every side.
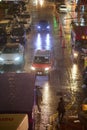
(60, 27)
(60, 31)
(49, 127)
(57, 19)
(63, 43)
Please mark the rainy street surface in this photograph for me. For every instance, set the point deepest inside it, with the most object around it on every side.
(66, 76)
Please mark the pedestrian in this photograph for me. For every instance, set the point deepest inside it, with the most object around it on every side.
(61, 109)
(38, 98)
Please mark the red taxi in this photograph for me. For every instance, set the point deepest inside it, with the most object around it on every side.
(42, 62)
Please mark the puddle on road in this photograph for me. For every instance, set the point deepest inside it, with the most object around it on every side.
(41, 80)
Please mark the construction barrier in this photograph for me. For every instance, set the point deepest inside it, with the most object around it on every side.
(60, 29)
(53, 118)
(57, 18)
(53, 122)
(85, 62)
(63, 43)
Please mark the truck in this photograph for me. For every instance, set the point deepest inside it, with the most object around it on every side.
(14, 122)
(79, 40)
(17, 97)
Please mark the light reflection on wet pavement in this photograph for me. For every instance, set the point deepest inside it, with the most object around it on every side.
(68, 85)
(65, 81)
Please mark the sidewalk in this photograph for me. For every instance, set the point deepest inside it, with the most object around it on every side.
(71, 123)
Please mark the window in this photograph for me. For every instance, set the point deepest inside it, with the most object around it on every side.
(41, 59)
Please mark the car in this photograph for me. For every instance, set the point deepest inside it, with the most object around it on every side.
(3, 36)
(12, 54)
(18, 34)
(6, 25)
(9, 17)
(43, 25)
(13, 9)
(72, 2)
(4, 22)
(63, 8)
(25, 24)
(42, 62)
(25, 16)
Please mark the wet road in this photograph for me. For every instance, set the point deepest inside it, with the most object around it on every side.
(66, 79)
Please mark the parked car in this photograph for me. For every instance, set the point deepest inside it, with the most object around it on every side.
(24, 23)
(72, 2)
(9, 17)
(12, 54)
(18, 34)
(63, 8)
(6, 25)
(3, 36)
(25, 16)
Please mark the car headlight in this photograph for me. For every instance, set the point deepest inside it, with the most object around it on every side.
(1, 59)
(32, 68)
(46, 69)
(39, 27)
(75, 54)
(6, 29)
(17, 59)
(48, 27)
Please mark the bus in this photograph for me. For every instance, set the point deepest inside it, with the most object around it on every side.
(79, 39)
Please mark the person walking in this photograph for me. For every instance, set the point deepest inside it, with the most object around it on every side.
(38, 98)
(61, 110)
